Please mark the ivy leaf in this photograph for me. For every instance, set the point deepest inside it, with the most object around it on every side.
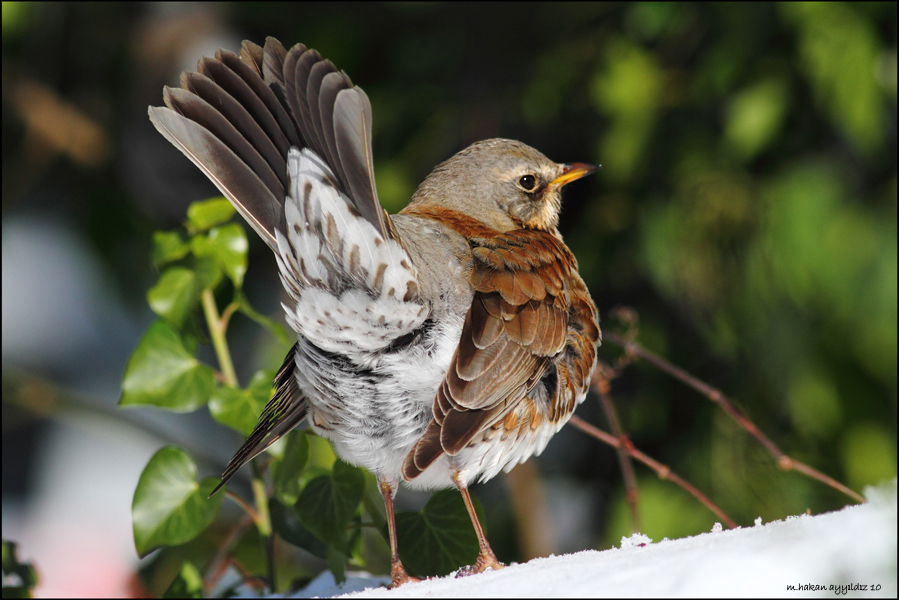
(228, 246)
(208, 271)
(188, 583)
(287, 525)
(328, 502)
(286, 473)
(175, 295)
(168, 246)
(162, 373)
(205, 214)
(439, 538)
(337, 558)
(170, 507)
(239, 409)
(231, 246)
(337, 563)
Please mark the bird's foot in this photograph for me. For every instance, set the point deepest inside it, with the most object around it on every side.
(486, 560)
(399, 576)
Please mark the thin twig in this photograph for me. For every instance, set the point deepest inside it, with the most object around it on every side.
(601, 382)
(244, 505)
(248, 578)
(663, 471)
(219, 563)
(784, 462)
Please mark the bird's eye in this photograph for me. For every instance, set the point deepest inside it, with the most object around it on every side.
(527, 182)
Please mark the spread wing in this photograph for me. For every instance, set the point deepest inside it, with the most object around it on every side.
(286, 137)
(527, 307)
(238, 116)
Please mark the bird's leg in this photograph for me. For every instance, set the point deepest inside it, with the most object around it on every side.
(486, 558)
(398, 575)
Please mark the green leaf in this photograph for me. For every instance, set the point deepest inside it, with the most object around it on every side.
(239, 409)
(208, 271)
(231, 245)
(327, 503)
(162, 373)
(337, 558)
(168, 246)
(287, 525)
(206, 214)
(337, 563)
(440, 537)
(188, 583)
(170, 507)
(286, 473)
(228, 246)
(175, 295)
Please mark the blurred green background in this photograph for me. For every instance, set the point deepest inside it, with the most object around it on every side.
(746, 209)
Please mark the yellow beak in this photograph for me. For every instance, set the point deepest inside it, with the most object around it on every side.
(572, 172)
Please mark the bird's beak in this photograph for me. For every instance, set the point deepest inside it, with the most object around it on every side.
(572, 172)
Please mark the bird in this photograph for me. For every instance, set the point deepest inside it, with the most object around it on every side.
(435, 347)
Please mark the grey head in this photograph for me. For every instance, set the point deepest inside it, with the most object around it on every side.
(503, 183)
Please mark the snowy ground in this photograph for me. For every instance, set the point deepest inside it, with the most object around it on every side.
(851, 551)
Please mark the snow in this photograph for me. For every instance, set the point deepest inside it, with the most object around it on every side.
(854, 547)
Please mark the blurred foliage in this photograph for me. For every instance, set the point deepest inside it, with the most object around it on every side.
(19, 578)
(746, 206)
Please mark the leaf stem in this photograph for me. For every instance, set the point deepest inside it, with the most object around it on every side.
(217, 328)
(263, 517)
(228, 312)
(264, 525)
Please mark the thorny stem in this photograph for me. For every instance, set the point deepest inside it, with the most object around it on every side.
(602, 384)
(784, 461)
(663, 471)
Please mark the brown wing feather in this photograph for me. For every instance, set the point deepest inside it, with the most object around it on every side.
(531, 314)
(238, 116)
(273, 61)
